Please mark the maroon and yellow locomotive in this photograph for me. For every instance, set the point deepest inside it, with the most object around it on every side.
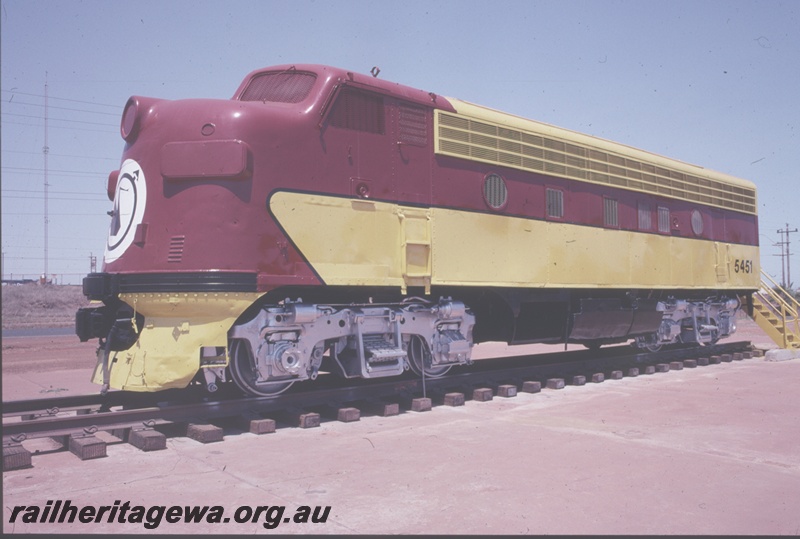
(326, 220)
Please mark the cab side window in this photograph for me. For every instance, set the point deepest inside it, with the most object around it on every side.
(359, 111)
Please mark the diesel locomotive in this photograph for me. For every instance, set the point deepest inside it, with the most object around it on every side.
(323, 220)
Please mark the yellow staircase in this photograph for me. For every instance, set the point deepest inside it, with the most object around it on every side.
(776, 312)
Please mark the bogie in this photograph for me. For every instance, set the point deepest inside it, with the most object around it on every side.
(287, 343)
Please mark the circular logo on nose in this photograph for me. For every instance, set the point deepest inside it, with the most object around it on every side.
(128, 212)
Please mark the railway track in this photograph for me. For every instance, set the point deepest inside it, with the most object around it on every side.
(86, 424)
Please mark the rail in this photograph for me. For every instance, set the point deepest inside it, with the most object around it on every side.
(42, 417)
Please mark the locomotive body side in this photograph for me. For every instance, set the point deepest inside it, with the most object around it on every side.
(371, 200)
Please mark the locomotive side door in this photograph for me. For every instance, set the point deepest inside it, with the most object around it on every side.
(357, 129)
(410, 128)
(379, 153)
(411, 133)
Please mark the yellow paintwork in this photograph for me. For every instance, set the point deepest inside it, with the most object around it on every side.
(353, 242)
(177, 325)
(366, 243)
(416, 246)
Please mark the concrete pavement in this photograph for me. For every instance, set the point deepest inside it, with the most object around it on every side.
(710, 450)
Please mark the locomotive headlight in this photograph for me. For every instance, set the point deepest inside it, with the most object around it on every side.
(135, 115)
(129, 124)
(111, 187)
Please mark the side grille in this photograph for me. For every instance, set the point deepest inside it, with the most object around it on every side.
(412, 127)
(494, 191)
(461, 136)
(175, 253)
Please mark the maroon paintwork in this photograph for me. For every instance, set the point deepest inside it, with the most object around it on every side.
(221, 208)
(211, 166)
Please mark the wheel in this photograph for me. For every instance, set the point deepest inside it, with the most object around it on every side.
(419, 353)
(653, 347)
(649, 343)
(243, 372)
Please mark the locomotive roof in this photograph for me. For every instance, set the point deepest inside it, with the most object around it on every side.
(332, 75)
(479, 133)
(480, 111)
(483, 134)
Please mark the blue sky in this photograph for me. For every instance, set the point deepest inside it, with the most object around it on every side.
(714, 83)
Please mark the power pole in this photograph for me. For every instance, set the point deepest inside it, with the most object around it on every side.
(783, 261)
(46, 150)
(786, 254)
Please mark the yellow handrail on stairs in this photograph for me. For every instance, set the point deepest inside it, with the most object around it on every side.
(776, 312)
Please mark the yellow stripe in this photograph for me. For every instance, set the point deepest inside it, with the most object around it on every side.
(362, 243)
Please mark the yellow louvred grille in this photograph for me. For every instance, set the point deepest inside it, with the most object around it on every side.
(459, 135)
